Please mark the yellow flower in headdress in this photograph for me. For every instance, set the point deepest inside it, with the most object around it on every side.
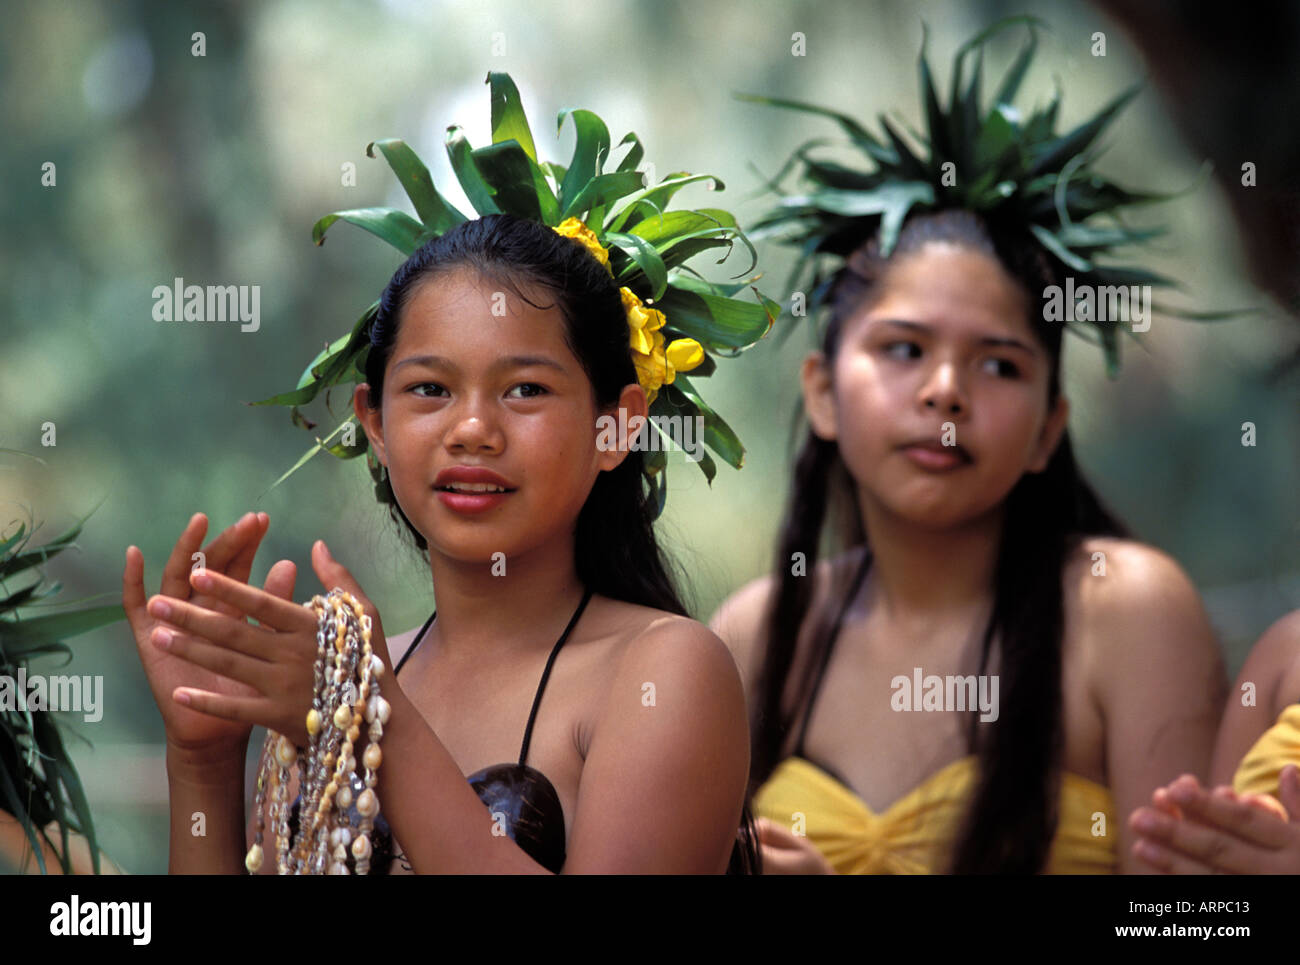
(579, 232)
(642, 322)
(656, 364)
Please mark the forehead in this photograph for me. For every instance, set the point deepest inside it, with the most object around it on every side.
(954, 289)
(464, 310)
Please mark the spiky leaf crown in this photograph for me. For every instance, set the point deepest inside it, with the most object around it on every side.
(989, 159)
(648, 243)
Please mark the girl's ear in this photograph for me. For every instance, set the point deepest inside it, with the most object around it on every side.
(371, 420)
(818, 395)
(615, 428)
(1051, 434)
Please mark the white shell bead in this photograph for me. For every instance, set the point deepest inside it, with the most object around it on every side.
(368, 806)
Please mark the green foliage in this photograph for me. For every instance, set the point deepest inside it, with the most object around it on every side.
(648, 248)
(38, 782)
(988, 158)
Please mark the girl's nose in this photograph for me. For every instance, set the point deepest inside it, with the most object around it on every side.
(943, 391)
(475, 429)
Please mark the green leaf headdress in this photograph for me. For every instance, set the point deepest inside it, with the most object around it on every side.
(989, 159)
(626, 223)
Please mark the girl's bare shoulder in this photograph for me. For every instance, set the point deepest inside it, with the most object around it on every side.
(1138, 620)
(740, 619)
(1273, 665)
(632, 625)
(644, 643)
(1108, 577)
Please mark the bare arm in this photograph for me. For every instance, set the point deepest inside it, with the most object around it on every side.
(1263, 688)
(1159, 679)
(685, 731)
(209, 789)
(739, 624)
(673, 730)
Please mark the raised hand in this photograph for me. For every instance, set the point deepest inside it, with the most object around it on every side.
(1221, 832)
(269, 664)
(231, 553)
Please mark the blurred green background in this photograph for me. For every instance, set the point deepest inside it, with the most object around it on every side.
(214, 168)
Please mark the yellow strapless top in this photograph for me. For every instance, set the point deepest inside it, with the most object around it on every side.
(1279, 746)
(914, 835)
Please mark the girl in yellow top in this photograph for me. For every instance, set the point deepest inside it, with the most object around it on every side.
(1250, 822)
(976, 554)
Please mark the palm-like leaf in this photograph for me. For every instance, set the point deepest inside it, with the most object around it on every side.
(38, 782)
(1018, 170)
(649, 245)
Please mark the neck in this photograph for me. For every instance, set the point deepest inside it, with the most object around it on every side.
(921, 574)
(481, 612)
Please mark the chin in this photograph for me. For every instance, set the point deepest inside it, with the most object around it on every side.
(932, 507)
(479, 541)
(476, 550)
(469, 539)
(933, 516)
(952, 515)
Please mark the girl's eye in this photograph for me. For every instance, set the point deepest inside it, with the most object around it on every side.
(434, 386)
(1002, 367)
(526, 390)
(902, 350)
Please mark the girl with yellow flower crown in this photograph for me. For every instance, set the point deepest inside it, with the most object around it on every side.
(562, 674)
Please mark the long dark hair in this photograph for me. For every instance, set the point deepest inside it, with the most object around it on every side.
(1012, 817)
(615, 549)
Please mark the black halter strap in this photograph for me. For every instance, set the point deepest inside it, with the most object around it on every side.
(830, 646)
(415, 643)
(546, 673)
(541, 686)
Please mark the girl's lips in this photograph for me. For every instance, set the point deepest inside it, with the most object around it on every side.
(471, 503)
(471, 489)
(473, 475)
(933, 458)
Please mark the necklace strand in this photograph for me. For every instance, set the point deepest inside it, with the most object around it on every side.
(338, 806)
